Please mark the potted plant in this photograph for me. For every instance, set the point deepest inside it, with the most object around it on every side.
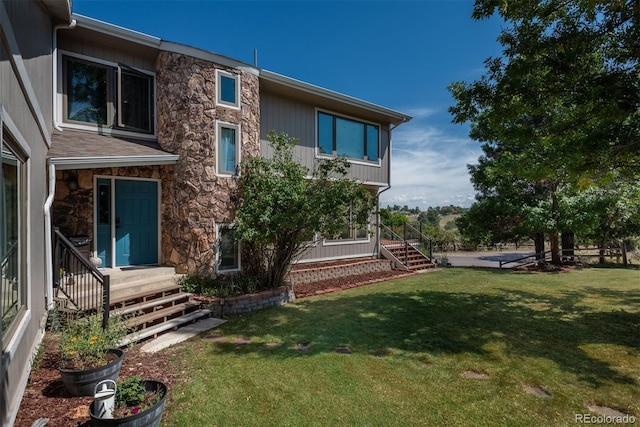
(89, 353)
(138, 403)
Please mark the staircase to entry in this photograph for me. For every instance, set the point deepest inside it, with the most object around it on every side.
(407, 251)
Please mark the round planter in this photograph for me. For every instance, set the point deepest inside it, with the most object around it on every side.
(83, 383)
(150, 417)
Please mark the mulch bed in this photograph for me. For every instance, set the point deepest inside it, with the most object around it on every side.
(342, 283)
(46, 397)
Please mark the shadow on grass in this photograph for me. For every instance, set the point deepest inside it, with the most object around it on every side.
(432, 322)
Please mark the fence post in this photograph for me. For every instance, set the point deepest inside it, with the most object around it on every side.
(105, 302)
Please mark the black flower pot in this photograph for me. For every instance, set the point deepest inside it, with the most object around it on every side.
(150, 417)
(83, 383)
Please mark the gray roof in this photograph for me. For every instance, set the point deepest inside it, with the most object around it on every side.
(74, 149)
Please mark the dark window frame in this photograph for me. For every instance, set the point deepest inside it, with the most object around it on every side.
(114, 97)
(219, 250)
(17, 249)
(334, 137)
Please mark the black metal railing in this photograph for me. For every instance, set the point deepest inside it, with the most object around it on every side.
(527, 259)
(9, 294)
(84, 287)
(578, 255)
(418, 240)
(391, 240)
(404, 237)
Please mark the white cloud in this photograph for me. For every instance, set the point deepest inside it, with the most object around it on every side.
(422, 112)
(429, 167)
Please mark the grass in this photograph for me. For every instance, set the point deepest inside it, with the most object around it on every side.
(448, 218)
(576, 335)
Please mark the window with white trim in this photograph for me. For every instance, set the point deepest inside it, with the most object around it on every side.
(352, 231)
(227, 89)
(227, 149)
(118, 97)
(347, 137)
(228, 249)
(12, 282)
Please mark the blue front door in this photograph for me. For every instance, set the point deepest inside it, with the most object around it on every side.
(136, 222)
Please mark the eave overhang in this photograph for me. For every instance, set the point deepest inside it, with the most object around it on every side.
(326, 98)
(68, 163)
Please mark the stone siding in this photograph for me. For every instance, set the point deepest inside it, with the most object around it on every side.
(317, 274)
(187, 117)
(72, 210)
(249, 303)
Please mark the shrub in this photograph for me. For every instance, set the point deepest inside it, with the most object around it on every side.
(83, 341)
(222, 286)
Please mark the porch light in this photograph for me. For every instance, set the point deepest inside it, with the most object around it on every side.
(73, 184)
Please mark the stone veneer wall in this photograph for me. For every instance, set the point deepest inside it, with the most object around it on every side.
(72, 211)
(187, 115)
(249, 303)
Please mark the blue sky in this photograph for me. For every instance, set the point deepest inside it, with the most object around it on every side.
(398, 54)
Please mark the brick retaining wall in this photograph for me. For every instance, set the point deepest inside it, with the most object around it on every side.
(317, 274)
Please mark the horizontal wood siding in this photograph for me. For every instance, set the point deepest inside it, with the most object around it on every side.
(32, 30)
(298, 120)
(330, 252)
(68, 43)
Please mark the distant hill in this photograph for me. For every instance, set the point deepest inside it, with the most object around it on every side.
(448, 218)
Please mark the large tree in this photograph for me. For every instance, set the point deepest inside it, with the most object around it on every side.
(282, 207)
(561, 108)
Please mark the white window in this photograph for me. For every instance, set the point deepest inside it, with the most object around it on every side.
(227, 89)
(352, 232)
(12, 282)
(227, 149)
(227, 249)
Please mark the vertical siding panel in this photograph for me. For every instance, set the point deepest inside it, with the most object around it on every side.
(298, 120)
(71, 44)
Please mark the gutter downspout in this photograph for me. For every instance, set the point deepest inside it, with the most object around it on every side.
(48, 234)
(69, 26)
(48, 243)
(379, 248)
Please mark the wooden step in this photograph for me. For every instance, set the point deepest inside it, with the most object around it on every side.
(150, 303)
(161, 314)
(421, 266)
(145, 295)
(169, 324)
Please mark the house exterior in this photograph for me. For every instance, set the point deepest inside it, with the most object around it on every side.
(147, 172)
(133, 143)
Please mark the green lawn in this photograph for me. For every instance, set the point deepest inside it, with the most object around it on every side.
(576, 335)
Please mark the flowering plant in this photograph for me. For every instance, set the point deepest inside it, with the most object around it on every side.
(132, 397)
(83, 341)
